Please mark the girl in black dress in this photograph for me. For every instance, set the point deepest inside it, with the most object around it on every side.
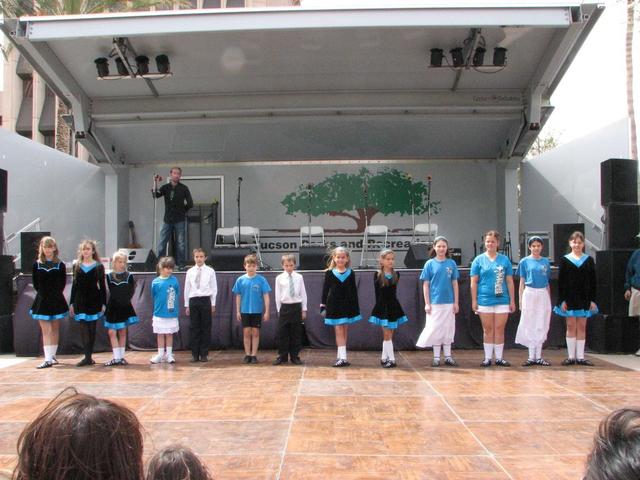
(88, 296)
(340, 300)
(387, 311)
(49, 307)
(576, 297)
(120, 313)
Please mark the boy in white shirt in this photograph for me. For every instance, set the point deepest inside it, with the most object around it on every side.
(291, 304)
(200, 289)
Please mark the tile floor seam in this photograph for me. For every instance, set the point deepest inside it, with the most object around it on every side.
(462, 422)
(578, 394)
(293, 416)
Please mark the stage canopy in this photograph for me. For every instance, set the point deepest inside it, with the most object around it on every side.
(310, 83)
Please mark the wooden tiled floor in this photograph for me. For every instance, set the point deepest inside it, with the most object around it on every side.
(362, 422)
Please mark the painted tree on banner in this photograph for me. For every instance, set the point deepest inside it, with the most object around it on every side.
(361, 196)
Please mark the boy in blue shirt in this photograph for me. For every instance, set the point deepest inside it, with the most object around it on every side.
(252, 305)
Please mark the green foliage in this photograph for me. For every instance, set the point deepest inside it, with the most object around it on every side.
(388, 191)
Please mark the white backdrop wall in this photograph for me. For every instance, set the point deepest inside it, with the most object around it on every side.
(66, 193)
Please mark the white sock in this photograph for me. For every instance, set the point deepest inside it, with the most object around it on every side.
(160, 351)
(580, 349)
(342, 352)
(122, 350)
(47, 352)
(384, 355)
(169, 350)
(54, 350)
(116, 353)
(571, 347)
(499, 347)
(392, 356)
(532, 353)
(488, 351)
(539, 351)
(447, 350)
(436, 352)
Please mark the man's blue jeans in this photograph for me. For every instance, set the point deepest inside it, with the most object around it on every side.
(165, 235)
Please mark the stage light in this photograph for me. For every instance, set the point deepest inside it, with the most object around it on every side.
(142, 61)
(456, 57)
(102, 64)
(122, 68)
(478, 57)
(499, 57)
(436, 57)
(162, 62)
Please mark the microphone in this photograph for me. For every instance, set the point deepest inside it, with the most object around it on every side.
(309, 186)
(157, 177)
(239, 179)
(429, 178)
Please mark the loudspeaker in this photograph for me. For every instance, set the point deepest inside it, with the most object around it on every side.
(313, 257)
(622, 222)
(6, 284)
(140, 259)
(29, 242)
(228, 259)
(3, 190)
(610, 269)
(618, 181)
(612, 334)
(417, 255)
(561, 234)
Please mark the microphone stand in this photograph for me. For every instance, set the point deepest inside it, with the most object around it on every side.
(429, 206)
(365, 190)
(238, 241)
(309, 186)
(155, 217)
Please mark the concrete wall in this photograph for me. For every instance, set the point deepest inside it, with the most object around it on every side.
(566, 180)
(466, 192)
(66, 193)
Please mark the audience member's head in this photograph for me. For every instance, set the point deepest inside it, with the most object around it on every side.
(176, 462)
(81, 437)
(616, 449)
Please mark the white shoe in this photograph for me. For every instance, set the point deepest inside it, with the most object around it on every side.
(638, 353)
(157, 358)
(170, 358)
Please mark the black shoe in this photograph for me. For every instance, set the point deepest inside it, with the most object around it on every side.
(450, 361)
(529, 363)
(280, 361)
(246, 359)
(45, 364)
(85, 361)
(341, 363)
(112, 363)
(568, 361)
(54, 361)
(194, 360)
(254, 359)
(297, 361)
(584, 362)
(204, 358)
(383, 361)
(390, 364)
(486, 362)
(435, 362)
(542, 362)
(123, 362)
(501, 362)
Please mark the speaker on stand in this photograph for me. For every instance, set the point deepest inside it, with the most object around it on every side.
(140, 259)
(29, 242)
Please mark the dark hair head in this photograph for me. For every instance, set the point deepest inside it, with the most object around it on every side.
(432, 251)
(81, 437)
(534, 238)
(176, 462)
(616, 449)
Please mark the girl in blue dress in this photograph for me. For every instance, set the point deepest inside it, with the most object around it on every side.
(387, 312)
(576, 297)
(440, 289)
(535, 302)
(492, 296)
(339, 302)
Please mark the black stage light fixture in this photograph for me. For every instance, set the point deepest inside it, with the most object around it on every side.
(456, 57)
(142, 61)
(162, 62)
(478, 56)
(436, 57)
(122, 68)
(499, 56)
(102, 64)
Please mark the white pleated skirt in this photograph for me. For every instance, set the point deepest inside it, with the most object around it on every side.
(165, 326)
(440, 326)
(535, 317)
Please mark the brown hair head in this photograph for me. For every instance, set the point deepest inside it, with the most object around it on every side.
(165, 262)
(495, 234)
(250, 259)
(81, 437)
(48, 242)
(176, 462)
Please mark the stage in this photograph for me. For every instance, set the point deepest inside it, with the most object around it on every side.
(227, 333)
(317, 422)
